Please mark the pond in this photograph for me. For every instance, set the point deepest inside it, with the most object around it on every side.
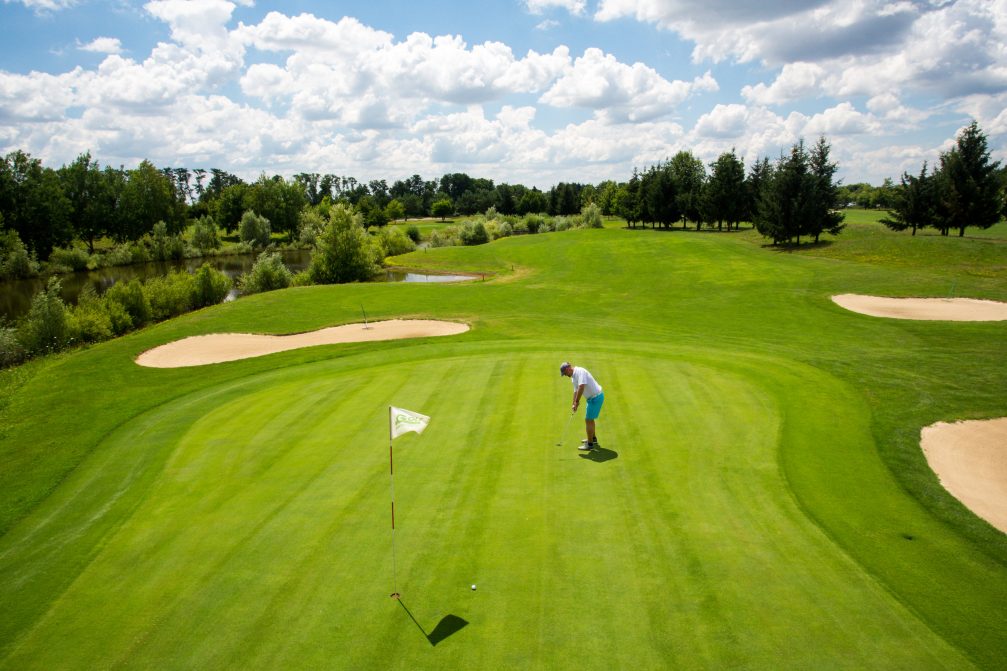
(16, 295)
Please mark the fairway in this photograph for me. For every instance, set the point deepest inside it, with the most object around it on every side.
(758, 501)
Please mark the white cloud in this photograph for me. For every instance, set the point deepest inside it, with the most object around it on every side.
(103, 45)
(620, 92)
(795, 81)
(539, 6)
(843, 119)
(548, 24)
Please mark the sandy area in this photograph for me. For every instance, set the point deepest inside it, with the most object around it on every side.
(220, 347)
(941, 309)
(970, 458)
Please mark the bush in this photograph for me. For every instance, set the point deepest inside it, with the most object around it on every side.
(344, 252)
(394, 241)
(413, 233)
(561, 224)
(446, 237)
(268, 274)
(254, 230)
(11, 351)
(474, 233)
(44, 328)
(170, 295)
(310, 225)
(69, 259)
(204, 234)
(120, 255)
(164, 247)
(591, 216)
(131, 296)
(209, 286)
(89, 321)
(15, 261)
(533, 222)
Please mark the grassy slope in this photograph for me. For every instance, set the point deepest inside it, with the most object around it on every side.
(212, 507)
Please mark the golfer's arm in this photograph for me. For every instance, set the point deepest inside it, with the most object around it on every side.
(577, 394)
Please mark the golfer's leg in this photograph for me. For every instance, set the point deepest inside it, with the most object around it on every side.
(590, 429)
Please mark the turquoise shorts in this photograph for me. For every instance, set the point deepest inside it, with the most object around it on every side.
(594, 406)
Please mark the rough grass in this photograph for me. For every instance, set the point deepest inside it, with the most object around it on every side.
(760, 501)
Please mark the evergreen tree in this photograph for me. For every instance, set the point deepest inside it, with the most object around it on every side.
(970, 184)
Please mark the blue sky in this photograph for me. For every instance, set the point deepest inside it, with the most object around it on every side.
(519, 91)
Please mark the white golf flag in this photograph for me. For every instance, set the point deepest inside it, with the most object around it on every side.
(403, 421)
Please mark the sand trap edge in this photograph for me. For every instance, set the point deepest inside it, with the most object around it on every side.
(924, 309)
(213, 348)
(970, 460)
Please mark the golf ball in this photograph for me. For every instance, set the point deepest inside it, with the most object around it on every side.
(473, 587)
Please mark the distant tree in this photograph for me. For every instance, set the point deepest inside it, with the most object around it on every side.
(344, 252)
(278, 200)
(229, 206)
(659, 200)
(688, 175)
(757, 177)
(533, 201)
(204, 235)
(33, 204)
(149, 196)
(915, 203)
(442, 209)
(970, 187)
(92, 205)
(395, 210)
(626, 201)
(824, 214)
(724, 193)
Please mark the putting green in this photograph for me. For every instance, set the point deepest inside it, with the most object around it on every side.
(267, 501)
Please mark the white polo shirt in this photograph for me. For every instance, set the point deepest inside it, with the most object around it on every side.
(581, 376)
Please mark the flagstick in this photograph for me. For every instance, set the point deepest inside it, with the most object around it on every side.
(391, 481)
(367, 327)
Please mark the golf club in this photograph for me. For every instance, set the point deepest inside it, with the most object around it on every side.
(566, 426)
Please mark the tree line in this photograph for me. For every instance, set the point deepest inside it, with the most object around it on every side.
(795, 196)
(966, 189)
(49, 208)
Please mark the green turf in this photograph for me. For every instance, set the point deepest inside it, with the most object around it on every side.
(760, 500)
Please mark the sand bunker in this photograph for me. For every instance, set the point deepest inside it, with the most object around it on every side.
(970, 458)
(940, 309)
(221, 347)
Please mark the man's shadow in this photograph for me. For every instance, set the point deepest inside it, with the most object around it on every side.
(449, 624)
(599, 455)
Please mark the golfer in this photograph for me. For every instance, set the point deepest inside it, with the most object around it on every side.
(585, 385)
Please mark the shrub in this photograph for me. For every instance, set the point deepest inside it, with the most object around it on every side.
(204, 234)
(533, 222)
(44, 328)
(15, 261)
(561, 223)
(120, 255)
(131, 296)
(591, 216)
(11, 351)
(170, 295)
(209, 286)
(446, 237)
(394, 241)
(344, 252)
(89, 321)
(474, 233)
(72, 259)
(310, 224)
(254, 230)
(413, 233)
(118, 317)
(163, 246)
(268, 274)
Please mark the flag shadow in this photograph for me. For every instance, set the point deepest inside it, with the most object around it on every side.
(599, 455)
(449, 624)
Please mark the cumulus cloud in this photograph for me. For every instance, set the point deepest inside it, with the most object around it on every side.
(103, 45)
(620, 92)
(840, 48)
